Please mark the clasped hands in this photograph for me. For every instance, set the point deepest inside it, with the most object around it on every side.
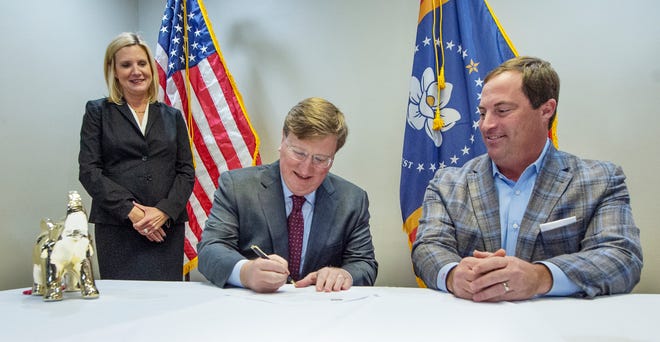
(268, 275)
(148, 221)
(497, 277)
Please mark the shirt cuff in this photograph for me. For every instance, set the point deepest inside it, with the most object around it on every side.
(235, 276)
(442, 276)
(561, 284)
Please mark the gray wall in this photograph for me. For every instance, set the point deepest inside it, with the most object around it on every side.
(51, 63)
(357, 54)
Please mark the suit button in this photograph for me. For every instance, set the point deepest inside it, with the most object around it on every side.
(144, 158)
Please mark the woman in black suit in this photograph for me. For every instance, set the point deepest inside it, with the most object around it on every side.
(136, 164)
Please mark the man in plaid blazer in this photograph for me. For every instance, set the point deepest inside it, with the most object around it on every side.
(526, 220)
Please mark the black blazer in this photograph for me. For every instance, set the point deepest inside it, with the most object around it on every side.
(119, 165)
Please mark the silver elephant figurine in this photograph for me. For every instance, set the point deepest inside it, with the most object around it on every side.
(62, 255)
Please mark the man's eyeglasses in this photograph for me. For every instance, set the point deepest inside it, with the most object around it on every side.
(320, 161)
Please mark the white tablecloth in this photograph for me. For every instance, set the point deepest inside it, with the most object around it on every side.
(169, 311)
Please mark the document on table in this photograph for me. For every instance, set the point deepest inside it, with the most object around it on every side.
(288, 294)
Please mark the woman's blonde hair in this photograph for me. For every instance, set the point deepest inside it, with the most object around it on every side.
(116, 94)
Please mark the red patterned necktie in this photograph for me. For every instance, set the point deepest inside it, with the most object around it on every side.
(296, 229)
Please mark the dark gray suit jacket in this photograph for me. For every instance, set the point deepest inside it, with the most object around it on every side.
(118, 165)
(248, 208)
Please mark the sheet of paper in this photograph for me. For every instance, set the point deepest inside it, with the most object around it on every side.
(288, 294)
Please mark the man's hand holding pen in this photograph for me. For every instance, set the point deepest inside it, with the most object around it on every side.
(265, 275)
(269, 272)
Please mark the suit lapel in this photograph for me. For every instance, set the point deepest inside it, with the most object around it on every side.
(128, 115)
(325, 207)
(275, 214)
(551, 183)
(154, 115)
(483, 196)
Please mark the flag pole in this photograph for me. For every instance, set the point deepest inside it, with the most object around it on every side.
(188, 266)
(187, 73)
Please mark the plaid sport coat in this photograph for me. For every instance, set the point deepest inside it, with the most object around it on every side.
(600, 252)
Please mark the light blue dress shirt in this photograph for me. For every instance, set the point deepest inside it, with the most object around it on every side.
(513, 199)
(308, 213)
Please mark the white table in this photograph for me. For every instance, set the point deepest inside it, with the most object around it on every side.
(194, 311)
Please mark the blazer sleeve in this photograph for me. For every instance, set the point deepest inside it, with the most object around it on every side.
(436, 243)
(114, 198)
(218, 249)
(174, 204)
(358, 256)
(609, 257)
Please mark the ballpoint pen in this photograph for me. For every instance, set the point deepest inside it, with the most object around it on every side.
(263, 255)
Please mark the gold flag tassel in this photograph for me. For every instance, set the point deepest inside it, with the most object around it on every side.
(439, 68)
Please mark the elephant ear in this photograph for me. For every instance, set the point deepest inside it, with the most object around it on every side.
(47, 224)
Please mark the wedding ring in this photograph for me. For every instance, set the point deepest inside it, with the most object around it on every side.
(506, 287)
(145, 230)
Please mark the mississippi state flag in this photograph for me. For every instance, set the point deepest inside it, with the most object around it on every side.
(458, 42)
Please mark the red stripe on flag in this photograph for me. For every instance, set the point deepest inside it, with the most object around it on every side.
(204, 154)
(180, 83)
(197, 136)
(232, 101)
(195, 227)
(189, 250)
(162, 81)
(218, 130)
(204, 201)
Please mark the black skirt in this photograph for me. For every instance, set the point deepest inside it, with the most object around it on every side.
(125, 254)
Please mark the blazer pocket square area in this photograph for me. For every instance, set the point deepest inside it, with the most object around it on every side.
(557, 224)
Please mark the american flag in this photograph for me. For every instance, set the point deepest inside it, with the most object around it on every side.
(194, 78)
